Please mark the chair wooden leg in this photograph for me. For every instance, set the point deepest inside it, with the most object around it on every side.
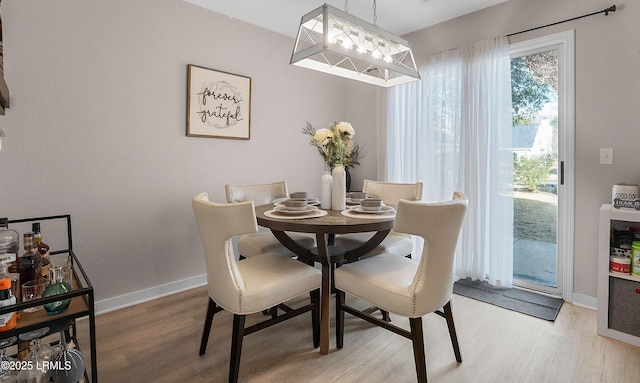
(315, 317)
(236, 347)
(385, 315)
(448, 315)
(211, 309)
(418, 349)
(340, 300)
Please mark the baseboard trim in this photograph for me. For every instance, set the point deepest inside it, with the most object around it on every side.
(585, 301)
(110, 304)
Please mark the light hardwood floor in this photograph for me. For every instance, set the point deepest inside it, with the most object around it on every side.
(158, 341)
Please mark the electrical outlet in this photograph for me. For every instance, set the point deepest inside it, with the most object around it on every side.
(606, 156)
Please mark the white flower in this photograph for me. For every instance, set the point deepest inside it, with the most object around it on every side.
(323, 137)
(346, 129)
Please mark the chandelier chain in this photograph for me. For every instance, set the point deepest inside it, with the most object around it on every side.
(375, 14)
(346, 9)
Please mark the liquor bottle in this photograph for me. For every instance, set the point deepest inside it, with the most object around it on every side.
(7, 321)
(43, 248)
(30, 262)
(6, 260)
(30, 269)
(9, 241)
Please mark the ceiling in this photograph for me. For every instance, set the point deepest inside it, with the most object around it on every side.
(396, 16)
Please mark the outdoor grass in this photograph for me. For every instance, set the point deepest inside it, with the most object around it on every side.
(535, 220)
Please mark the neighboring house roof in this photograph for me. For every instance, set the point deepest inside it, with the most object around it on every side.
(524, 136)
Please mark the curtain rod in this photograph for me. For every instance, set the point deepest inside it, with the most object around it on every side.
(605, 11)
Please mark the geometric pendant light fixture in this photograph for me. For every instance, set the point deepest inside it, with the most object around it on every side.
(335, 42)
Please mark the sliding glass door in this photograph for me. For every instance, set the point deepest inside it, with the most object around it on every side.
(542, 99)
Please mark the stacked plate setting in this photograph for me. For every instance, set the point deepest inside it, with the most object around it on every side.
(297, 206)
(371, 206)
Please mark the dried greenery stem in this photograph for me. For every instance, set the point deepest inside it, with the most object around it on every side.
(335, 144)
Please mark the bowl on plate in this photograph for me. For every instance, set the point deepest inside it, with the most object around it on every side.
(357, 196)
(296, 203)
(299, 195)
(371, 204)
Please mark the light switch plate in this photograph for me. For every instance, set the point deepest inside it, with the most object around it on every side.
(606, 156)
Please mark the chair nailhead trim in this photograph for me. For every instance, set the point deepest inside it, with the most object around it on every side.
(425, 256)
(229, 252)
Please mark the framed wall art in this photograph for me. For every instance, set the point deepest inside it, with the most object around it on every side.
(218, 104)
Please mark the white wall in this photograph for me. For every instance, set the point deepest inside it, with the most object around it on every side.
(607, 93)
(96, 127)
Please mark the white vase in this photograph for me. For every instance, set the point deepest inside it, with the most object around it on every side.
(338, 188)
(325, 190)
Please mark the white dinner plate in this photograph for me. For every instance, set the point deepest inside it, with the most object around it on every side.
(284, 210)
(384, 210)
(314, 214)
(315, 203)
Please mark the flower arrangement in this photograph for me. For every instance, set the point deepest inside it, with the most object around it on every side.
(335, 144)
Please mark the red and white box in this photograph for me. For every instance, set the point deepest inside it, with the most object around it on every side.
(620, 265)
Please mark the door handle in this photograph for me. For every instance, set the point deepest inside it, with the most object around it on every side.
(561, 172)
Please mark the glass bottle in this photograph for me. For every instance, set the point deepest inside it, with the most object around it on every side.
(7, 260)
(30, 262)
(57, 286)
(9, 241)
(7, 321)
(43, 248)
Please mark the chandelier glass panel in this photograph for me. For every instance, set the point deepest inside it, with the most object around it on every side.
(332, 41)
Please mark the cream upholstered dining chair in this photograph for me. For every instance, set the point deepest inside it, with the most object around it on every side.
(404, 286)
(390, 193)
(253, 285)
(263, 241)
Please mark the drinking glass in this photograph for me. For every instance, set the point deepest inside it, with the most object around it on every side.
(44, 351)
(7, 376)
(33, 290)
(38, 352)
(36, 373)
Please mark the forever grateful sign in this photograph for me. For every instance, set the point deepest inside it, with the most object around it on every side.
(218, 104)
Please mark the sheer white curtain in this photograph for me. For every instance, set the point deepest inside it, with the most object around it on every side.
(452, 131)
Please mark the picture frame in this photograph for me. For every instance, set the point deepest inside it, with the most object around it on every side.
(218, 104)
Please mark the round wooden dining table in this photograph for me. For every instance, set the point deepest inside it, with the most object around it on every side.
(324, 228)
